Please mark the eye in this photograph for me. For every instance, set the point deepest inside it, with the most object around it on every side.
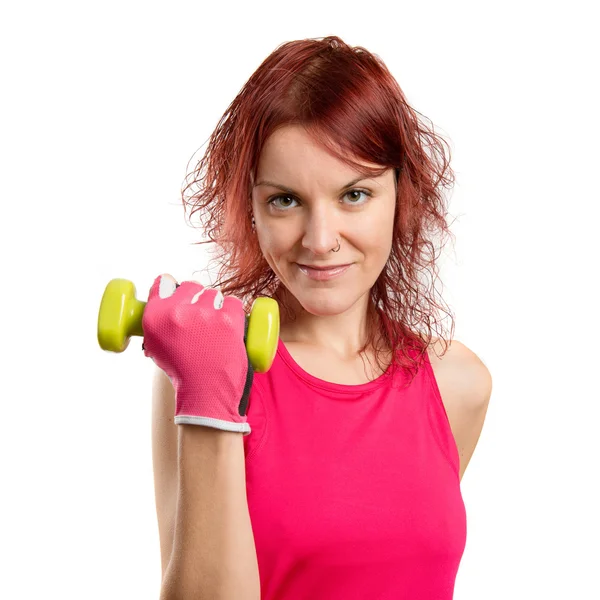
(364, 192)
(275, 198)
(288, 197)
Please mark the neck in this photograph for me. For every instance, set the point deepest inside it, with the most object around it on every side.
(343, 334)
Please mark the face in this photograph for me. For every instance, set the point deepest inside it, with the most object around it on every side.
(302, 226)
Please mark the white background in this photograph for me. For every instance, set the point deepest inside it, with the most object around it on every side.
(103, 106)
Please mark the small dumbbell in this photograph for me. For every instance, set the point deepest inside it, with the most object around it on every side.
(120, 317)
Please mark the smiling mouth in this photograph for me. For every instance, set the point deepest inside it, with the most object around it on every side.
(325, 268)
(323, 274)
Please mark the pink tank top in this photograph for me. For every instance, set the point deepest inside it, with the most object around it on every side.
(353, 490)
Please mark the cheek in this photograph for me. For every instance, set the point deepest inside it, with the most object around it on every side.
(273, 244)
(274, 250)
(378, 246)
(377, 233)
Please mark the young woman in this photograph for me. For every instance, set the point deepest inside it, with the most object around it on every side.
(323, 189)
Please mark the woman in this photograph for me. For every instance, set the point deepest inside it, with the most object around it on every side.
(345, 482)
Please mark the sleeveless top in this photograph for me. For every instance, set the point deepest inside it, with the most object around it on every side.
(353, 490)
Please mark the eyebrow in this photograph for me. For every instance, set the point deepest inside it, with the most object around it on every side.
(291, 191)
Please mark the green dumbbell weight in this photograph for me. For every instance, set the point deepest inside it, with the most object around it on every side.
(120, 317)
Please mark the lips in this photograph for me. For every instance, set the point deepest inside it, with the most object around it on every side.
(323, 274)
(328, 268)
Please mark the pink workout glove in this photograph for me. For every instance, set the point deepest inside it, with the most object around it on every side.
(197, 337)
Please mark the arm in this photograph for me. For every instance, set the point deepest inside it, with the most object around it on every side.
(214, 555)
(164, 460)
(207, 543)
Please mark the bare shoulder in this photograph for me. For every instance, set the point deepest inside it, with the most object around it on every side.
(460, 372)
(465, 386)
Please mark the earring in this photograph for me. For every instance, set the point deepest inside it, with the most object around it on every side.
(253, 225)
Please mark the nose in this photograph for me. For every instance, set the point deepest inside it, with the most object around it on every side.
(321, 233)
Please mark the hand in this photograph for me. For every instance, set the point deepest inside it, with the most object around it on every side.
(197, 337)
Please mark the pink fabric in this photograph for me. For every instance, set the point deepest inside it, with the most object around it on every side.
(353, 490)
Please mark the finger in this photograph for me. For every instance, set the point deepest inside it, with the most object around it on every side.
(163, 286)
(208, 296)
(235, 310)
(188, 289)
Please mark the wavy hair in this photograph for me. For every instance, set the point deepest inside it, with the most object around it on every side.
(345, 98)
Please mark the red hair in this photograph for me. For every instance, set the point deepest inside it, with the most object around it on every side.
(345, 98)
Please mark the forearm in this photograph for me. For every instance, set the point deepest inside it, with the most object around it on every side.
(214, 555)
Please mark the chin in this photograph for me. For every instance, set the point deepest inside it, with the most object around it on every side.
(324, 304)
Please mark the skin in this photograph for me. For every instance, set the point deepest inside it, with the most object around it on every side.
(304, 228)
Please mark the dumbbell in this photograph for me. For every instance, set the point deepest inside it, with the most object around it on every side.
(120, 317)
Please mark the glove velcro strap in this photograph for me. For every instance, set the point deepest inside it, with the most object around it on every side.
(210, 422)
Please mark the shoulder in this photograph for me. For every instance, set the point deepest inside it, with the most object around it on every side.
(465, 386)
(460, 372)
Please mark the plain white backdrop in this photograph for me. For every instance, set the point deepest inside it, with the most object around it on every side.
(104, 106)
